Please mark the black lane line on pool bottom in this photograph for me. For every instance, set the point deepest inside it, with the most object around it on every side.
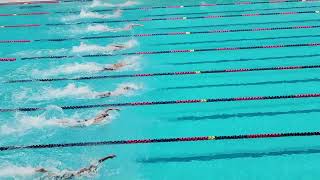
(163, 140)
(245, 59)
(228, 156)
(243, 115)
(283, 68)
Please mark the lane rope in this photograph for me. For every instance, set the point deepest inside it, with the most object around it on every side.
(245, 10)
(230, 11)
(184, 27)
(153, 103)
(244, 3)
(183, 33)
(29, 7)
(162, 140)
(241, 24)
(19, 25)
(26, 14)
(28, 2)
(282, 68)
(246, 59)
(7, 59)
(177, 51)
(234, 40)
(180, 18)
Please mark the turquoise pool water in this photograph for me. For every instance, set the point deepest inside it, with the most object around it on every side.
(289, 158)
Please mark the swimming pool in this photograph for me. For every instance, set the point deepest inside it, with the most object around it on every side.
(182, 58)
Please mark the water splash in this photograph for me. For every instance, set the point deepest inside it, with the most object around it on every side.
(69, 91)
(25, 123)
(42, 52)
(104, 28)
(130, 63)
(86, 14)
(121, 89)
(72, 68)
(93, 49)
(17, 171)
(74, 92)
(98, 3)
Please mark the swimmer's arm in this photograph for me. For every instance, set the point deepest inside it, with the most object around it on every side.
(108, 94)
(112, 109)
(94, 167)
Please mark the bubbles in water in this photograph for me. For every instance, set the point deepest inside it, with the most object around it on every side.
(98, 3)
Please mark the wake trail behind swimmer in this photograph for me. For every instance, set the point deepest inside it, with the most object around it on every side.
(88, 122)
(72, 174)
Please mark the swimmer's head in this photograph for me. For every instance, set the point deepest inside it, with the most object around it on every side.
(128, 88)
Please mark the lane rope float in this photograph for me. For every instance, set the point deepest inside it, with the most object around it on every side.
(177, 51)
(180, 33)
(245, 3)
(162, 140)
(282, 68)
(154, 103)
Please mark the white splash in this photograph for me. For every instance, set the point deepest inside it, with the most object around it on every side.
(25, 123)
(13, 171)
(43, 52)
(85, 14)
(98, 3)
(105, 28)
(72, 68)
(121, 89)
(92, 48)
(69, 91)
(129, 63)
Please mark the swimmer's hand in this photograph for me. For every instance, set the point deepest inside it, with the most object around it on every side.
(107, 157)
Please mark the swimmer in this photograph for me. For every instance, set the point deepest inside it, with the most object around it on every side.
(87, 122)
(108, 94)
(116, 66)
(73, 174)
(131, 26)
